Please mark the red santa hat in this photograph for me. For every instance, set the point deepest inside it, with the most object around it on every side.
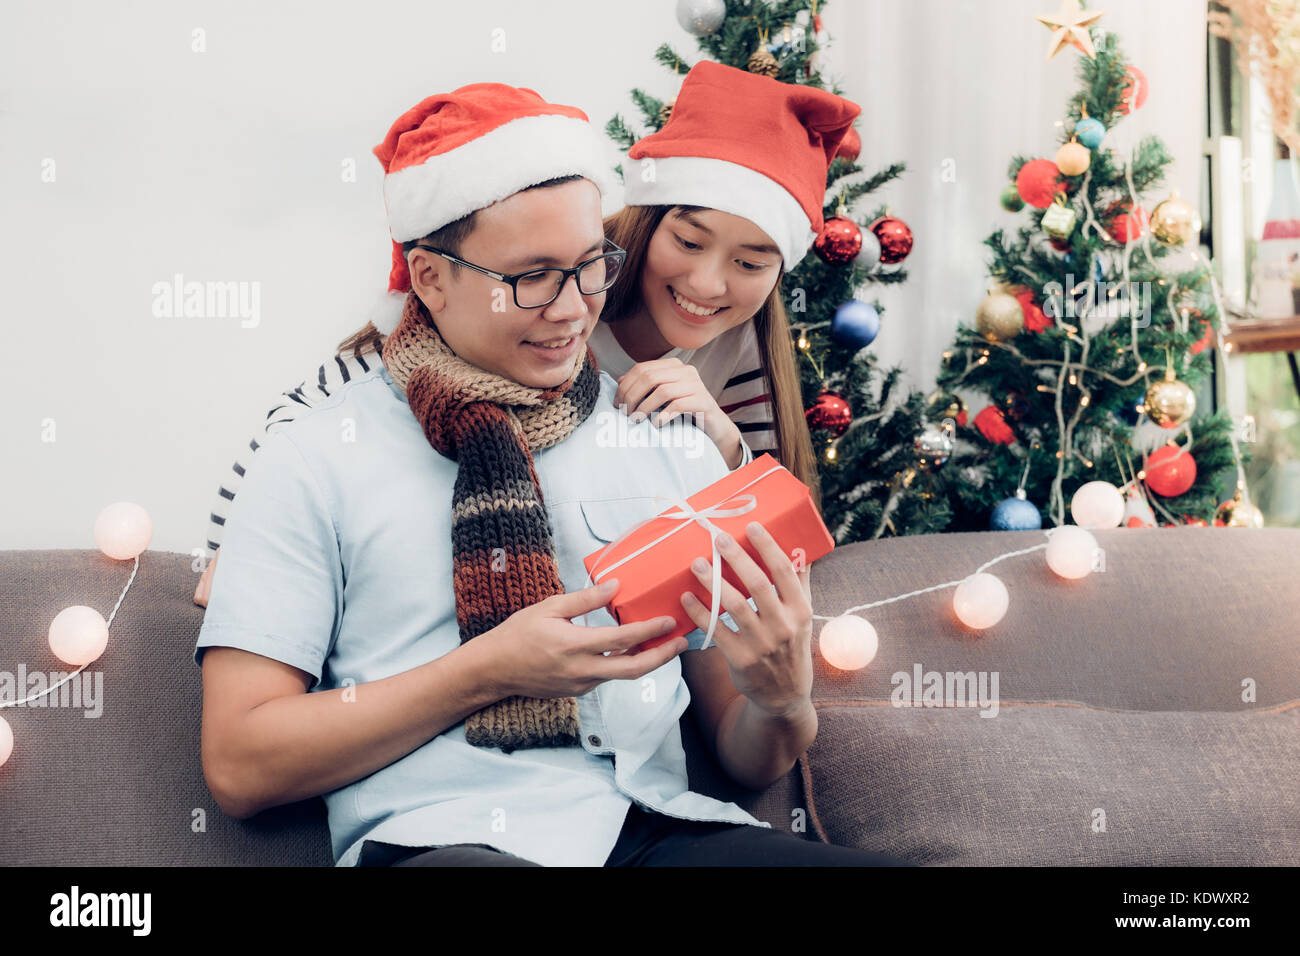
(457, 152)
(749, 145)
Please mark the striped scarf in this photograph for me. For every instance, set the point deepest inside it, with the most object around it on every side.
(503, 552)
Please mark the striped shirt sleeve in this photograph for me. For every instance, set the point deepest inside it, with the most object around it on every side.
(336, 371)
(746, 400)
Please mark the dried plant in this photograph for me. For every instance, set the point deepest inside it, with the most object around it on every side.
(1266, 37)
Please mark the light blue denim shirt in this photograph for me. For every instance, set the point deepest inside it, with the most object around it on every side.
(336, 559)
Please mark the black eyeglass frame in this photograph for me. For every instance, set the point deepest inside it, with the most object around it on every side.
(512, 279)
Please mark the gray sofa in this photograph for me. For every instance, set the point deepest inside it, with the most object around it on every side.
(1123, 732)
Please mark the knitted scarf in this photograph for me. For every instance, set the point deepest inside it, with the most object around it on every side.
(503, 552)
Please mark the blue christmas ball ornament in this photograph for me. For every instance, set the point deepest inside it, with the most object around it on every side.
(1090, 132)
(1016, 514)
(856, 324)
(1128, 413)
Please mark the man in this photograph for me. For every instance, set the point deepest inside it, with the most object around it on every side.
(439, 698)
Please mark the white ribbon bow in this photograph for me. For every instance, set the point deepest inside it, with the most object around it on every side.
(686, 514)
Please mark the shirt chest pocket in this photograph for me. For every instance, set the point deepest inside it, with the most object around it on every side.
(583, 527)
(600, 521)
(607, 518)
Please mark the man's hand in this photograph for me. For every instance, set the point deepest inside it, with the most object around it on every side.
(205, 582)
(541, 654)
(770, 655)
(676, 386)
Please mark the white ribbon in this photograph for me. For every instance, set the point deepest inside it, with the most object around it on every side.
(686, 514)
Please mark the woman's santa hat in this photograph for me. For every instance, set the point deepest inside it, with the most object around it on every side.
(457, 152)
(749, 145)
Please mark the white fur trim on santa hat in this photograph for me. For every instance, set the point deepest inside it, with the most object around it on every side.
(515, 155)
(730, 187)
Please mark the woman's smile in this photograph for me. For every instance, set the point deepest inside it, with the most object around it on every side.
(691, 311)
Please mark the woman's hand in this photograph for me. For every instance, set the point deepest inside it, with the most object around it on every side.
(202, 592)
(674, 387)
(770, 655)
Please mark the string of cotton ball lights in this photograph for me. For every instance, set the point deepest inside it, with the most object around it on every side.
(849, 642)
(79, 634)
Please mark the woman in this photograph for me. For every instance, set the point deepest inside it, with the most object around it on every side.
(723, 199)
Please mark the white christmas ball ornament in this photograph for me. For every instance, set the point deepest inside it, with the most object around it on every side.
(701, 17)
(869, 255)
(6, 741)
(123, 530)
(848, 642)
(78, 635)
(981, 600)
(1070, 551)
(1097, 504)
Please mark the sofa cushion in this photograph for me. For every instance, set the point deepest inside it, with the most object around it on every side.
(1123, 701)
(125, 786)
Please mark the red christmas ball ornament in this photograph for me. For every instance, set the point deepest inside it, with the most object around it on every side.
(1134, 93)
(1170, 471)
(1128, 226)
(1035, 319)
(1204, 343)
(895, 238)
(830, 412)
(850, 146)
(1060, 245)
(1038, 182)
(840, 241)
(993, 426)
(1195, 522)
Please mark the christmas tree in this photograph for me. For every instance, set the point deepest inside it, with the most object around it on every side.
(867, 429)
(1100, 323)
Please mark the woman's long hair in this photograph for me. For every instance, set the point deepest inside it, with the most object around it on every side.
(632, 227)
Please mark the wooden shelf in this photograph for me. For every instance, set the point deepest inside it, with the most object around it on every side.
(1264, 335)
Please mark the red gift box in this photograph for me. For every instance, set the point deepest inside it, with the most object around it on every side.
(653, 562)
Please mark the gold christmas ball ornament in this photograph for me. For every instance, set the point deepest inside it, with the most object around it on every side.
(1174, 222)
(999, 317)
(665, 113)
(1237, 512)
(1073, 159)
(1170, 403)
(762, 63)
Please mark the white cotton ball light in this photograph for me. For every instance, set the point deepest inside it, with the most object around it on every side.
(78, 635)
(1097, 504)
(1070, 551)
(848, 642)
(981, 600)
(123, 530)
(6, 741)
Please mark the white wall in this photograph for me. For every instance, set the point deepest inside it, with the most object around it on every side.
(225, 166)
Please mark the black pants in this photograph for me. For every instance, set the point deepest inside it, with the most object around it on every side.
(653, 839)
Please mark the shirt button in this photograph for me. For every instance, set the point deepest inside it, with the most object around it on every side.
(593, 740)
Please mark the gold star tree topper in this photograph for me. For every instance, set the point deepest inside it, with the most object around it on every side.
(1070, 26)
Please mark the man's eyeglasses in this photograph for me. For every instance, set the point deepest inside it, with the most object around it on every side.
(537, 288)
